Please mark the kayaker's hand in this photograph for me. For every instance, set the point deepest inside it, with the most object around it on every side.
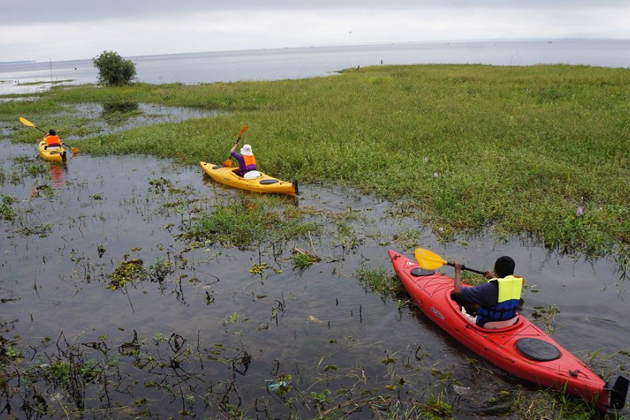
(458, 276)
(458, 266)
(488, 275)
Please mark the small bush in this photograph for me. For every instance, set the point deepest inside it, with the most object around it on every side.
(113, 70)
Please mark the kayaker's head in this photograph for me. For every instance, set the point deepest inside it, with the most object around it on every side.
(52, 132)
(504, 266)
(246, 150)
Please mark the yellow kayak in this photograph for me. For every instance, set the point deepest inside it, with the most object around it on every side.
(261, 183)
(57, 154)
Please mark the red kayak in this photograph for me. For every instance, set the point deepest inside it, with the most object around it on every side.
(520, 348)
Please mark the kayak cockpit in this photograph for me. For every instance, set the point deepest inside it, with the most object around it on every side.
(491, 326)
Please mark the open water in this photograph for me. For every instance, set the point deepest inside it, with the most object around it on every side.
(295, 63)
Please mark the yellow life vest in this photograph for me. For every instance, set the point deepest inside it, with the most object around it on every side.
(510, 287)
(509, 295)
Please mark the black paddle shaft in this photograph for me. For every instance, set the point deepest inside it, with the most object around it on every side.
(468, 269)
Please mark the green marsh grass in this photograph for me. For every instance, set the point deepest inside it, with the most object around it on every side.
(380, 281)
(515, 149)
(258, 219)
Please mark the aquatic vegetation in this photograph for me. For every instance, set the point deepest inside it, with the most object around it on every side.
(547, 316)
(258, 268)
(6, 210)
(302, 259)
(24, 166)
(126, 272)
(380, 281)
(552, 405)
(347, 236)
(160, 269)
(40, 230)
(243, 225)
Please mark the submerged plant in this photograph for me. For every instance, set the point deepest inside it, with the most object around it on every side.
(160, 269)
(302, 259)
(547, 316)
(127, 271)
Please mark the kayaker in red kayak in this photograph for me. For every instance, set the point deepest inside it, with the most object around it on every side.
(52, 139)
(497, 300)
(246, 160)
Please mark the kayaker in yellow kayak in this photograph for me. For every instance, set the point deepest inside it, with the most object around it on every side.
(498, 299)
(52, 140)
(246, 159)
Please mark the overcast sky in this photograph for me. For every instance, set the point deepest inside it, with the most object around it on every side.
(44, 30)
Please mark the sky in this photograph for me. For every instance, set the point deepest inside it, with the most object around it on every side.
(55, 30)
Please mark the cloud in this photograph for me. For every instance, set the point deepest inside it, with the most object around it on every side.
(74, 11)
(72, 30)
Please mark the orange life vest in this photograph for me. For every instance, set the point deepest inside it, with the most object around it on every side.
(249, 161)
(53, 141)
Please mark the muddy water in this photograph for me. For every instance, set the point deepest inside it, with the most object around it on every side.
(215, 339)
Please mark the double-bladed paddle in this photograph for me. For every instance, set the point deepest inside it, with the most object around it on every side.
(30, 124)
(432, 261)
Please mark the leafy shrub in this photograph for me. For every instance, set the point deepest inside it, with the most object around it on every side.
(113, 70)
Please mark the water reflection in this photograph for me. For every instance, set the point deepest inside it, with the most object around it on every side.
(119, 112)
(57, 171)
(119, 107)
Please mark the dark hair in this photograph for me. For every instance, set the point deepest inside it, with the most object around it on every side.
(504, 266)
(52, 132)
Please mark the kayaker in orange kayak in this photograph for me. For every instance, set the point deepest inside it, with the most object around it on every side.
(497, 300)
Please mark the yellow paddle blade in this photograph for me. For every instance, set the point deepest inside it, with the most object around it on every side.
(429, 260)
(26, 122)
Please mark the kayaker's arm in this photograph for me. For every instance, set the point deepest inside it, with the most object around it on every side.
(233, 149)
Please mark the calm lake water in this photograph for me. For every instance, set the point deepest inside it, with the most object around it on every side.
(294, 63)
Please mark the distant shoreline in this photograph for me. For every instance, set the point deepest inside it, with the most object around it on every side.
(17, 62)
(340, 46)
